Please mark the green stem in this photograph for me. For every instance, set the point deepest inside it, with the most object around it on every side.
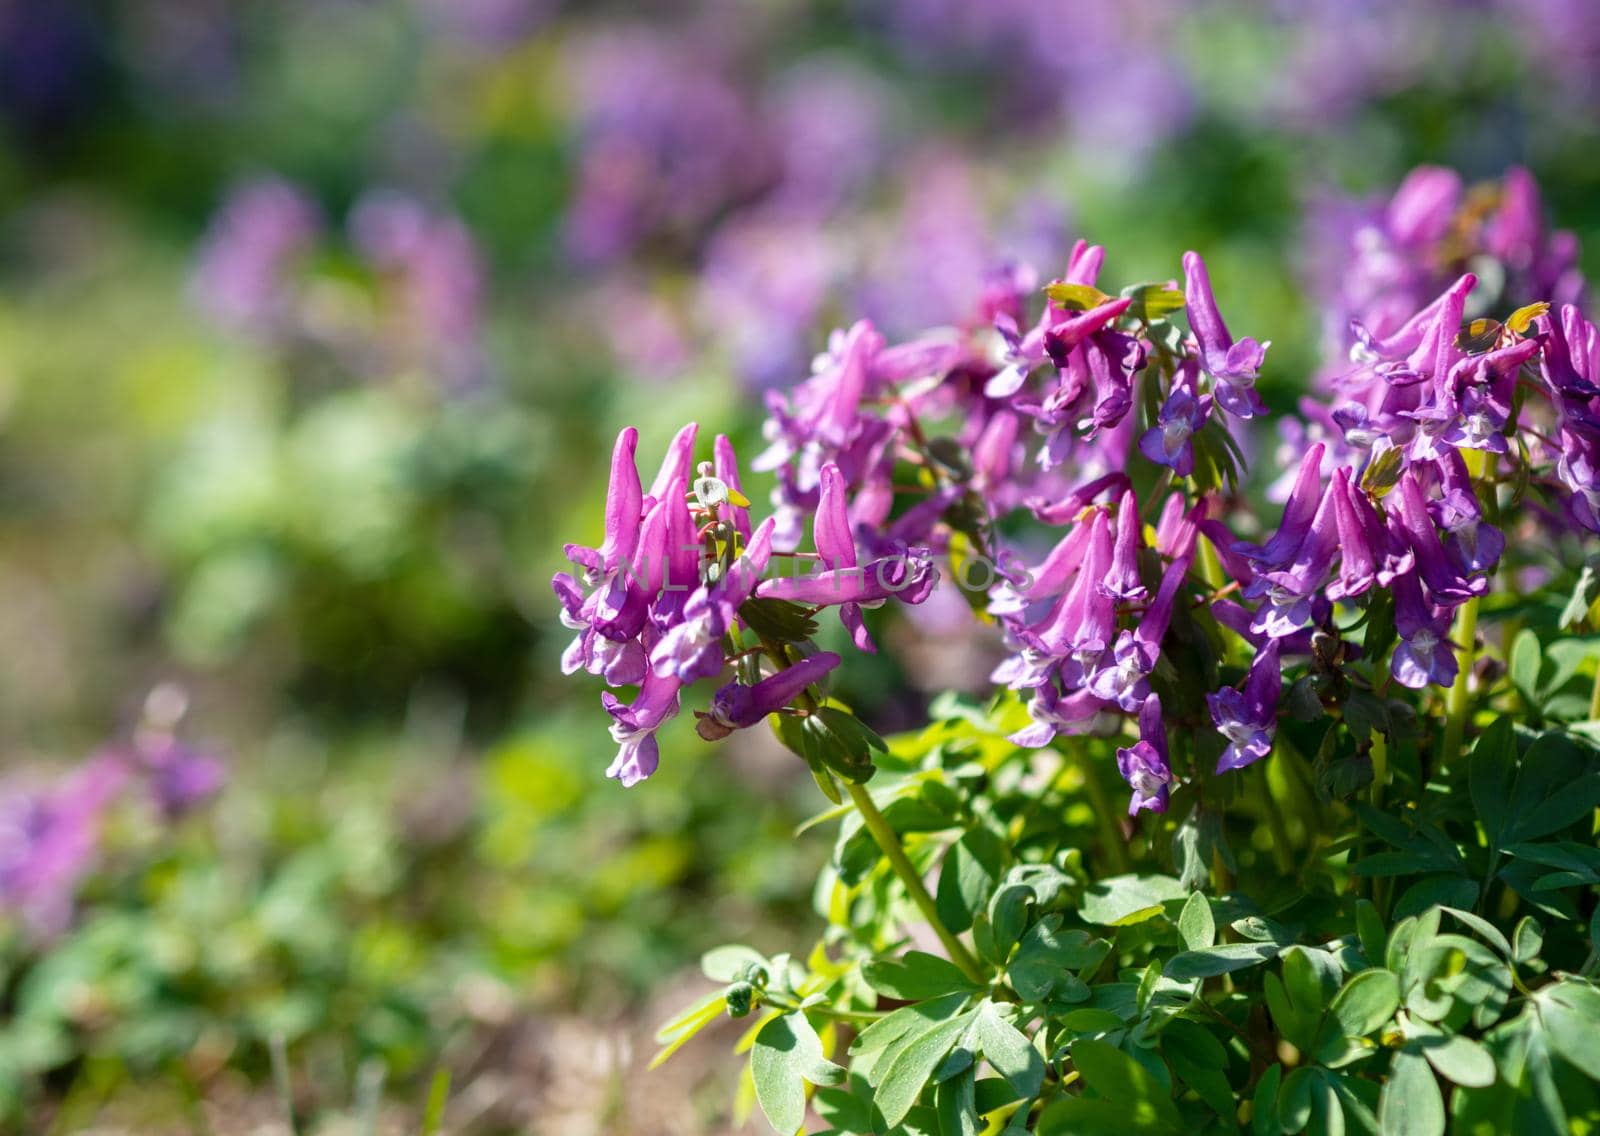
(1105, 812)
(1380, 776)
(1282, 854)
(1594, 697)
(889, 841)
(860, 1017)
(1458, 706)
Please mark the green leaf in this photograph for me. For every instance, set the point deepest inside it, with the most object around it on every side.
(728, 963)
(915, 977)
(1570, 1011)
(1383, 474)
(886, 1035)
(1264, 1105)
(1294, 1100)
(1483, 927)
(787, 1054)
(1010, 1052)
(955, 1100)
(1116, 1076)
(1367, 1002)
(1008, 915)
(908, 1074)
(1075, 297)
(677, 1033)
(1152, 302)
(1458, 1059)
(1091, 1116)
(1411, 1102)
(1046, 958)
(1124, 900)
(968, 876)
(1572, 803)
(1524, 664)
(842, 742)
(1195, 923)
(1432, 892)
(1490, 772)
(1327, 1111)
(1199, 1060)
(1369, 930)
(1584, 593)
(1525, 1099)
(1188, 965)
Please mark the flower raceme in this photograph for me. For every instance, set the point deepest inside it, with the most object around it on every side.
(1127, 572)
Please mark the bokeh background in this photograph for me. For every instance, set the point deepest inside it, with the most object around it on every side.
(317, 319)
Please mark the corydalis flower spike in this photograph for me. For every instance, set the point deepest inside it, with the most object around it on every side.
(1234, 366)
(1145, 765)
(1249, 718)
(737, 707)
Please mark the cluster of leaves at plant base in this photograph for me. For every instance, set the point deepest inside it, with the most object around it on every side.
(1152, 996)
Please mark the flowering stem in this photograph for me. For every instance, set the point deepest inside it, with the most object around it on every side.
(1458, 706)
(889, 841)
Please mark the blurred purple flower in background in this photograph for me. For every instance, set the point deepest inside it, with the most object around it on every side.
(434, 267)
(1379, 262)
(50, 830)
(488, 23)
(50, 840)
(244, 275)
(665, 140)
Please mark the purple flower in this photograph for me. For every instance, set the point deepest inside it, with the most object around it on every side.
(242, 279)
(1170, 441)
(1298, 512)
(1053, 713)
(1368, 552)
(1233, 366)
(180, 777)
(1424, 655)
(594, 603)
(1411, 522)
(437, 278)
(908, 577)
(1474, 545)
(1122, 580)
(737, 707)
(836, 547)
(691, 649)
(49, 839)
(1249, 718)
(1294, 592)
(633, 727)
(1144, 765)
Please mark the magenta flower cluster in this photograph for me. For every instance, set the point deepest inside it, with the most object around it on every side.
(1109, 440)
